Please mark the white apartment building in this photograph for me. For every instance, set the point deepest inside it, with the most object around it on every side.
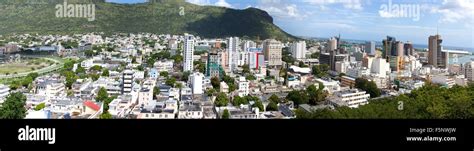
(352, 98)
(380, 67)
(298, 50)
(232, 52)
(243, 58)
(189, 42)
(243, 87)
(329, 86)
(164, 65)
(196, 82)
(357, 72)
(51, 89)
(443, 80)
(145, 95)
(248, 44)
(127, 81)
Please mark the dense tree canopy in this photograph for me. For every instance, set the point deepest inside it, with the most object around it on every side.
(320, 70)
(215, 82)
(428, 102)
(13, 107)
(368, 86)
(221, 100)
(226, 114)
(298, 97)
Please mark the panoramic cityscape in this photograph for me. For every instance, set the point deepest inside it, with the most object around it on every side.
(228, 60)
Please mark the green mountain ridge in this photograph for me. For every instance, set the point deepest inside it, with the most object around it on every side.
(158, 16)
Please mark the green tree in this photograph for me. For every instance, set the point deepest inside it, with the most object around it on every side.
(178, 59)
(223, 45)
(225, 114)
(33, 75)
(210, 92)
(251, 77)
(320, 70)
(68, 65)
(298, 97)
(215, 82)
(105, 72)
(315, 55)
(102, 95)
(245, 69)
(201, 67)
(221, 100)
(89, 53)
(170, 81)
(230, 82)
(185, 76)
(105, 115)
(39, 106)
(237, 101)
(70, 78)
(274, 98)
(80, 70)
(368, 86)
(96, 68)
(301, 64)
(140, 68)
(258, 104)
(26, 81)
(156, 91)
(315, 95)
(272, 106)
(14, 106)
(164, 74)
(94, 77)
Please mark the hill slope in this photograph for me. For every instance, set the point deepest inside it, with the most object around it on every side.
(161, 16)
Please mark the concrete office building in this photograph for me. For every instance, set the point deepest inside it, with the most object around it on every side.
(370, 48)
(436, 56)
(272, 51)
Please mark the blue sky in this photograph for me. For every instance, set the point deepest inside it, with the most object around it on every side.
(366, 19)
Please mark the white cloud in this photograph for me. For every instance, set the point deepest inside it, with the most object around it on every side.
(199, 2)
(348, 4)
(223, 3)
(281, 9)
(455, 11)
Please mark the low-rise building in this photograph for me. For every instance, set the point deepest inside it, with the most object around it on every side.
(347, 81)
(50, 88)
(4, 91)
(443, 80)
(159, 110)
(164, 65)
(190, 110)
(224, 87)
(243, 87)
(352, 98)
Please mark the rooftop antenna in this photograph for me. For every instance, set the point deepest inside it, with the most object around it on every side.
(437, 29)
